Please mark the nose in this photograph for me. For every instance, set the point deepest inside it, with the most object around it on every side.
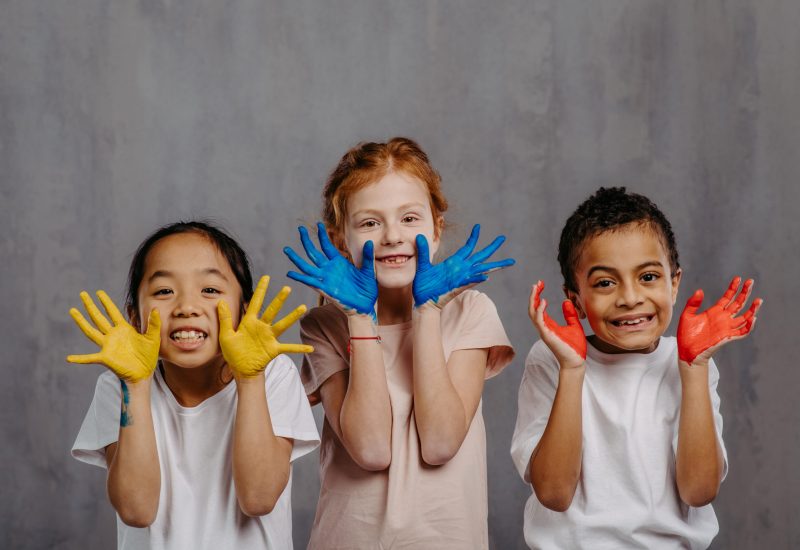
(392, 234)
(185, 307)
(629, 295)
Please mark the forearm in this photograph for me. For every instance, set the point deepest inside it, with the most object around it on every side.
(260, 458)
(555, 466)
(365, 417)
(134, 474)
(441, 417)
(699, 463)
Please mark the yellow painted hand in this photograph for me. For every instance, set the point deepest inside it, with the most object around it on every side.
(248, 349)
(130, 355)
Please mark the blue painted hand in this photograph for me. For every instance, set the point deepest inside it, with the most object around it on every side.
(354, 290)
(442, 282)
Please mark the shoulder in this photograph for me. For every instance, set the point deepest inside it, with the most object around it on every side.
(540, 355)
(468, 305)
(279, 368)
(323, 317)
(108, 383)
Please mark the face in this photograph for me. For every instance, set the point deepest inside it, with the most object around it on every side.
(391, 213)
(625, 289)
(184, 278)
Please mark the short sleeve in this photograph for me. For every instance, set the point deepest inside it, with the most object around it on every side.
(326, 329)
(288, 406)
(471, 322)
(100, 427)
(713, 382)
(537, 391)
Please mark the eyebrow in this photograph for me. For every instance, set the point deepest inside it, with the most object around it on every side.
(206, 271)
(406, 206)
(651, 263)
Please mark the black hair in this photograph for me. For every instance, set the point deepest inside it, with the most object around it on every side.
(607, 210)
(227, 246)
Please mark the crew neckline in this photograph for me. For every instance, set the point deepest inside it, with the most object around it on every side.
(208, 402)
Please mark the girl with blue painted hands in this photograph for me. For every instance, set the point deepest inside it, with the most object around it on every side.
(200, 413)
(401, 352)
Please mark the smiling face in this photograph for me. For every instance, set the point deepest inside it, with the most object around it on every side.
(185, 276)
(391, 213)
(625, 288)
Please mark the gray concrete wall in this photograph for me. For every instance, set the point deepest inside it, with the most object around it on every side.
(117, 117)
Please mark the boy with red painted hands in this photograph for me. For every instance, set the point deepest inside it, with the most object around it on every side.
(619, 433)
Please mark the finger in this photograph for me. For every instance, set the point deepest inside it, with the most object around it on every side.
(313, 282)
(493, 266)
(727, 297)
(693, 303)
(423, 253)
(257, 301)
(325, 243)
(752, 310)
(536, 293)
(92, 333)
(489, 250)
(295, 348)
(92, 358)
(98, 318)
(225, 319)
(154, 324)
(275, 305)
(738, 303)
(570, 313)
(281, 326)
(301, 264)
(111, 308)
(368, 258)
(467, 249)
(316, 256)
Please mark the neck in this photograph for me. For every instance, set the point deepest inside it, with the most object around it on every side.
(394, 305)
(193, 386)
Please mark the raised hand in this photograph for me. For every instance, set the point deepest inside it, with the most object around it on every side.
(442, 282)
(127, 353)
(249, 348)
(702, 334)
(354, 289)
(568, 343)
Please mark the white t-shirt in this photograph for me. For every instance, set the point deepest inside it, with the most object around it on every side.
(627, 496)
(197, 505)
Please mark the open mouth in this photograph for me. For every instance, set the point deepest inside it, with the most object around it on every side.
(394, 260)
(633, 322)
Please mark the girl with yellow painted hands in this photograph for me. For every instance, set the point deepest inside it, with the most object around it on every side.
(194, 460)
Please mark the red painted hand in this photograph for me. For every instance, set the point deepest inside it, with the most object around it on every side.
(568, 343)
(700, 335)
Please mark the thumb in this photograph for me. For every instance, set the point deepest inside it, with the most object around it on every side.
(224, 314)
(368, 258)
(570, 314)
(423, 254)
(693, 303)
(154, 324)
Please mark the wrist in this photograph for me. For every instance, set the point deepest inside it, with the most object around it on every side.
(243, 383)
(361, 324)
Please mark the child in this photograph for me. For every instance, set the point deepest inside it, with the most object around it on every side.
(193, 460)
(400, 358)
(622, 439)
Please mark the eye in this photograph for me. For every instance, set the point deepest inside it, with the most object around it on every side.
(410, 218)
(603, 283)
(211, 290)
(162, 292)
(368, 224)
(650, 277)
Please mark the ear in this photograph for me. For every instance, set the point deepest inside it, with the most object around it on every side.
(676, 282)
(134, 319)
(574, 297)
(438, 229)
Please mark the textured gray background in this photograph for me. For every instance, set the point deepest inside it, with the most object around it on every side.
(117, 117)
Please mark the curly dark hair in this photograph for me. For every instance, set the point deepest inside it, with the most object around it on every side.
(608, 209)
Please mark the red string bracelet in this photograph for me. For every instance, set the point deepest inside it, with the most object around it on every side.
(349, 347)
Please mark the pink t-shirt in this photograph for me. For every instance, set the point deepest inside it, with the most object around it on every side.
(411, 504)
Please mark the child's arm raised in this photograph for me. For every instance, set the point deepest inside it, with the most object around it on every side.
(134, 478)
(446, 395)
(699, 463)
(260, 458)
(356, 403)
(555, 464)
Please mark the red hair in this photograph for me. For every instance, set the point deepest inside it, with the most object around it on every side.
(367, 163)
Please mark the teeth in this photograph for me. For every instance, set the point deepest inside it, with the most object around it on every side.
(632, 321)
(187, 335)
(395, 260)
